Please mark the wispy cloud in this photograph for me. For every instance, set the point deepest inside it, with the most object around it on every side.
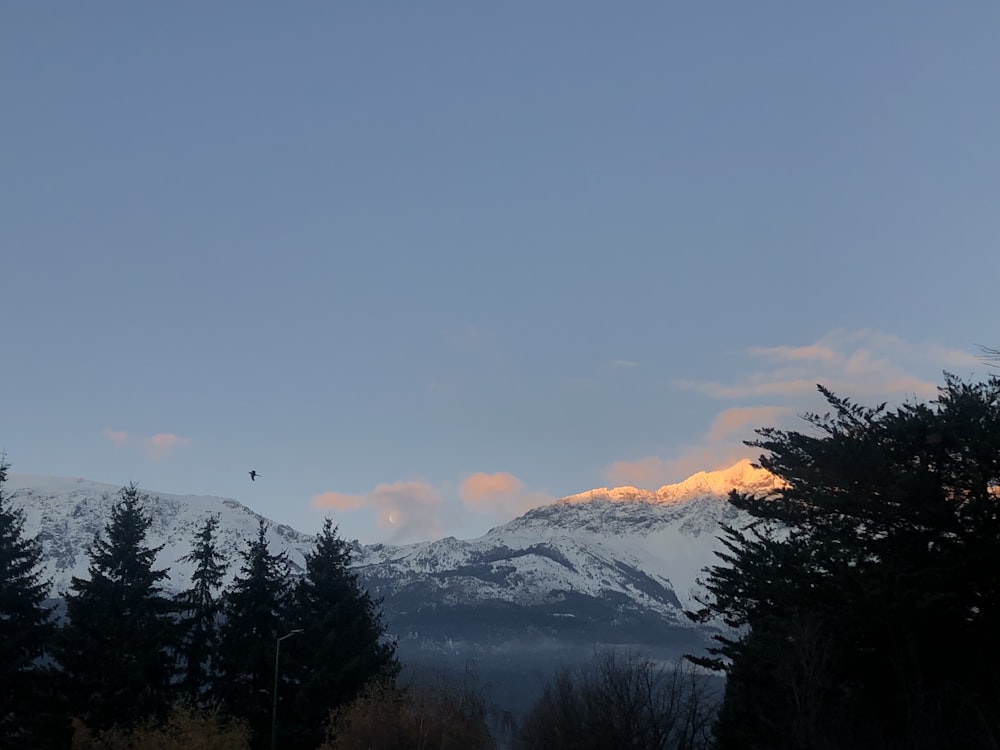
(116, 437)
(623, 364)
(164, 444)
(156, 447)
(500, 494)
(409, 510)
(415, 510)
(337, 501)
(653, 472)
(865, 364)
(736, 421)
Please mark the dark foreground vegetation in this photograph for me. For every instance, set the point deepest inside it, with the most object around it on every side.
(127, 658)
(867, 591)
(863, 602)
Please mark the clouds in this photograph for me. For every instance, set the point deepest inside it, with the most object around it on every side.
(410, 510)
(117, 438)
(502, 495)
(155, 447)
(623, 364)
(769, 386)
(653, 472)
(163, 444)
(480, 487)
(736, 421)
(863, 364)
(415, 510)
(779, 383)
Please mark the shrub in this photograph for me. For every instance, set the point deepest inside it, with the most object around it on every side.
(621, 701)
(185, 729)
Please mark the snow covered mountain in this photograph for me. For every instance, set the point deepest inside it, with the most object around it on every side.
(616, 566)
(65, 514)
(608, 566)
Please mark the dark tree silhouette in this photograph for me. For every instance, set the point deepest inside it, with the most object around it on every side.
(117, 647)
(342, 645)
(24, 625)
(201, 608)
(255, 617)
(867, 590)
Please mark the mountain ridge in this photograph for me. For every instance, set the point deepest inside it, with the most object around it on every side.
(742, 476)
(606, 568)
(66, 512)
(616, 567)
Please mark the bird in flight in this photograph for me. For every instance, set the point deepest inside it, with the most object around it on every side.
(253, 476)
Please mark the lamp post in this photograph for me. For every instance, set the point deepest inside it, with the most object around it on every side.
(274, 708)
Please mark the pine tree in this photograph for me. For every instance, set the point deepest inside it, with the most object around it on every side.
(117, 647)
(866, 591)
(342, 647)
(255, 617)
(24, 624)
(200, 608)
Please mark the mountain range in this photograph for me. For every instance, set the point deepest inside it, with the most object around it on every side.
(607, 567)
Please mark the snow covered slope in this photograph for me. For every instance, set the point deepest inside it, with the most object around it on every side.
(65, 514)
(609, 565)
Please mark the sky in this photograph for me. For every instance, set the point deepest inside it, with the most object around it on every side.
(423, 266)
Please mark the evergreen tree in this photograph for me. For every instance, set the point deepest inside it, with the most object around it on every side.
(866, 591)
(24, 624)
(342, 646)
(116, 648)
(255, 617)
(201, 608)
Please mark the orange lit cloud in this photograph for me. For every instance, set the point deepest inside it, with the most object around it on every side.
(752, 388)
(741, 421)
(862, 364)
(163, 444)
(157, 447)
(502, 495)
(482, 487)
(817, 352)
(336, 501)
(409, 509)
(865, 365)
(652, 472)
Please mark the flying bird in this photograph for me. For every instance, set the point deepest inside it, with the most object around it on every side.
(253, 475)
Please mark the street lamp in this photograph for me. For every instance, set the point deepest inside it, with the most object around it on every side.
(274, 708)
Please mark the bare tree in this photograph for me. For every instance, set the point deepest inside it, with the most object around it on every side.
(990, 355)
(622, 700)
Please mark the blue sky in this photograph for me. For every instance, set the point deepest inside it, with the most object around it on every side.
(424, 265)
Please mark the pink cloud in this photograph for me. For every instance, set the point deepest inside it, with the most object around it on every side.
(652, 473)
(817, 352)
(501, 495)
(751, 388)
(740, 422)
(646, 472)
(157, 447)
(409, 509)
(864, 365)
(116, 437)
(163, 444)
(485, 487)
(336, 501)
